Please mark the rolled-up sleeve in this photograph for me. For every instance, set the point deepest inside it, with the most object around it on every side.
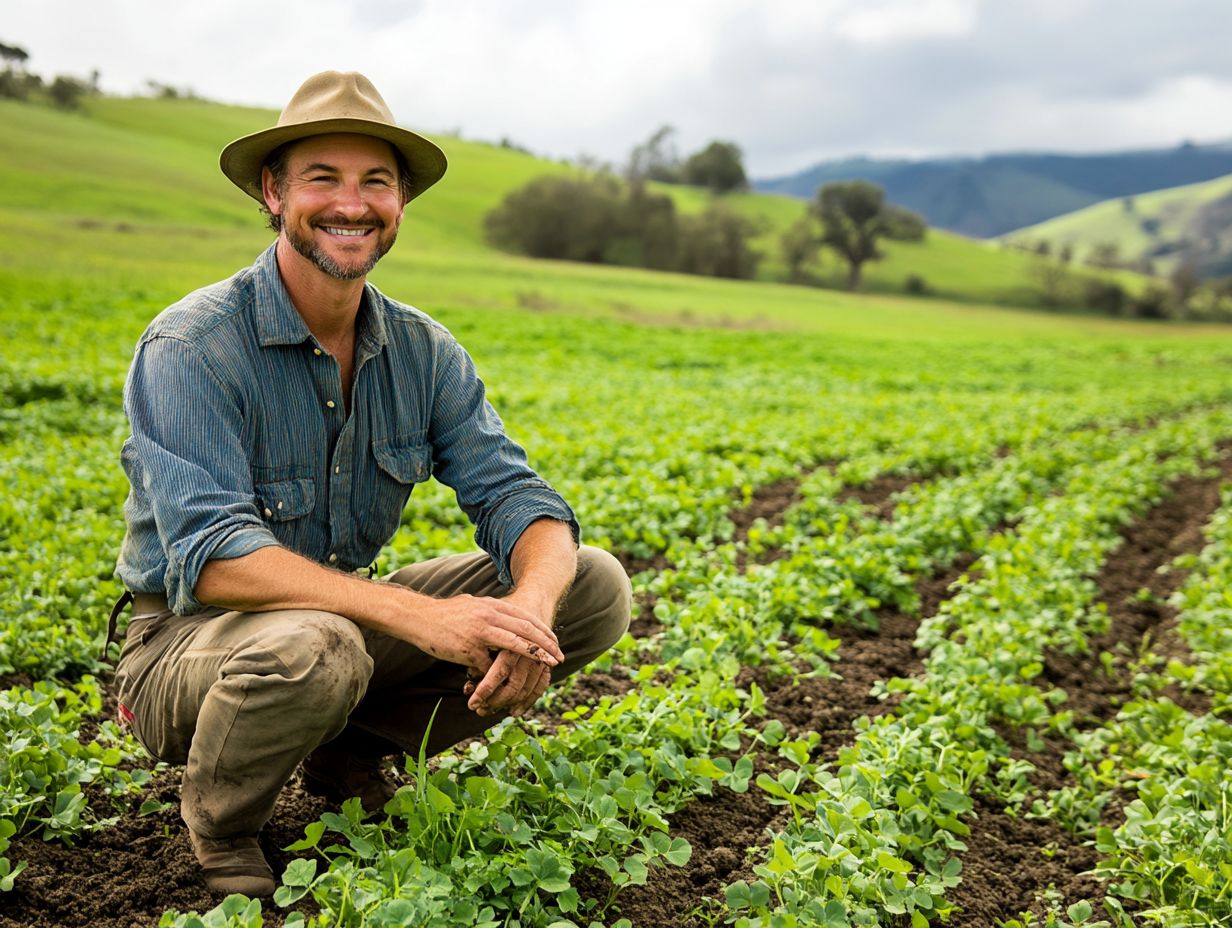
(188, 466)
(495, 486)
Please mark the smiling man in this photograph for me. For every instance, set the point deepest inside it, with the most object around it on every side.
(280, 420)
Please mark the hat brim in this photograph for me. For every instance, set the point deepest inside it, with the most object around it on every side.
(241, 161)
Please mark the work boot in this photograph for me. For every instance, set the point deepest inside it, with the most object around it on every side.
(233, 865)
(338, 775)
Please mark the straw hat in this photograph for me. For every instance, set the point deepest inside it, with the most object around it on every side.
(332, 101)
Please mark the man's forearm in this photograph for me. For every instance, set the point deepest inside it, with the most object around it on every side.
(543, 564)
(463, 629)
(273, 578)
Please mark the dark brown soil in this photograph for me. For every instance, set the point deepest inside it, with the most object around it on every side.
(724, 826)
(1010, 860)
(769, 503)
(644, 624)
(636, 565)
(130, 873)
(1135, 590)
(879, 492)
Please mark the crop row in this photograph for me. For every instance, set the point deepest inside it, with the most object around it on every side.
(45, 763)
(881, 836)
(667, 739)
(1169, 858)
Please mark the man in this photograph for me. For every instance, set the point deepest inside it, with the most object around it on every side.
(280, 420)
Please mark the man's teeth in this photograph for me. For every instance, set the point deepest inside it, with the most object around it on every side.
(334, 230)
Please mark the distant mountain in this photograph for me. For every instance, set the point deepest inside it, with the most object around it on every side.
(986, 197)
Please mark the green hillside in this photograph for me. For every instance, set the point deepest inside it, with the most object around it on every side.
(1166, 227)
(129, 190)
(149, 167)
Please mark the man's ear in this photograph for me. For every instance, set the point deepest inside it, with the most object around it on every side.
(269, 192)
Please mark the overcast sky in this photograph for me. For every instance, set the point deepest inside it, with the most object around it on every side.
(791, 81)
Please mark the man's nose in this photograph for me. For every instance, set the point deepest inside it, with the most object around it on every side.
(351, 201)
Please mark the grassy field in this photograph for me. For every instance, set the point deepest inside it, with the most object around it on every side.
(802, 484)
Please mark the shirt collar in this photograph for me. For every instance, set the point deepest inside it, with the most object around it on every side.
(278, 323)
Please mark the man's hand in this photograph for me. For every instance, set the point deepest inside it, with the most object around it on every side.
(466, 630)
(513, 684)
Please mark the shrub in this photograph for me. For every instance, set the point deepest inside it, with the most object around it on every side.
(1155, 302)
(716, 244)
(569, 218)
(67, 92)
(599, 219)
(1105, 296)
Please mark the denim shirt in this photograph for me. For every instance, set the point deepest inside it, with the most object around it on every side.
(240, 438)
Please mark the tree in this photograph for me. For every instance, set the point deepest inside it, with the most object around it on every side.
(66, 92)
(719, 166)
(654, 159)
(716, 243)
(1057, 286)
(15, 83)
(1105, 255)
(1185, 281)
(800, 246)
(855, 218)
(649, 231)
(14, 56)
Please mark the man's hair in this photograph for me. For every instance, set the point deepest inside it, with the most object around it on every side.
(276, 161)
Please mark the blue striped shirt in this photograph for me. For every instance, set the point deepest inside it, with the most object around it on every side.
(240, 439)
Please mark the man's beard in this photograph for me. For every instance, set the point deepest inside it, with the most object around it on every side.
(326, 264)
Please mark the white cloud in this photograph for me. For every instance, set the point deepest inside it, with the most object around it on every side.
(886, 22)
(789, 80)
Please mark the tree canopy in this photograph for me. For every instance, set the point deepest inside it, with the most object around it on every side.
(855, 218)
(719, 166)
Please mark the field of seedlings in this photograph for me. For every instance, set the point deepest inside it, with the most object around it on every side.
(928, 632)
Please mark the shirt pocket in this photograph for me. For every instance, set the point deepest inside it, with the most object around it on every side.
(399, 466)
(286, 500)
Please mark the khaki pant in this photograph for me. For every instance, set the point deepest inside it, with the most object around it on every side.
(241, 698)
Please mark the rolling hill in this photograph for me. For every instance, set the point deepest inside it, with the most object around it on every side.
(130, 182)
(990, 196)
(1192, 223)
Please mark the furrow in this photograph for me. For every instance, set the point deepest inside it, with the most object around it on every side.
(1015, 864)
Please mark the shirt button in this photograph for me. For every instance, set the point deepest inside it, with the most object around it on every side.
(269, 512)
(277, 506)
(317, 352)
(333, 559)
(337, 468)
(329, 403)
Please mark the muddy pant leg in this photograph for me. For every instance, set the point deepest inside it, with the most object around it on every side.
(406, 684)
(240, 699)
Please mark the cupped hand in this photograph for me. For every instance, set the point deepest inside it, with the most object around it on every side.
(513, 684)
(466, 630)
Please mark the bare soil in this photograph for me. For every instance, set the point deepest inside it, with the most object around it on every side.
(1011, 860)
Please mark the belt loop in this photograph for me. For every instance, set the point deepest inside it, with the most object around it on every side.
(111, 622)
